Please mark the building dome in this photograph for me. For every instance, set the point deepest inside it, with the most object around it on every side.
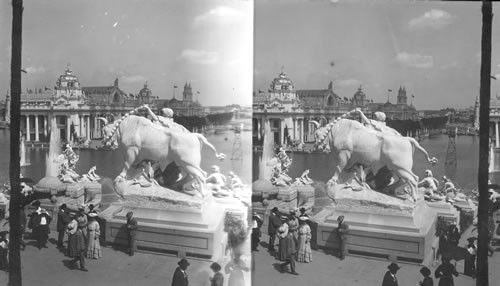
(145, 91)
(282, 82)
(67, 80)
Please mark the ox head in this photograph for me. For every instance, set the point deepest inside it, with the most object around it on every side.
(109, 133)
(320, 136)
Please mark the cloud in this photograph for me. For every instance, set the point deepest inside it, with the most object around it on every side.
(200, 57)
(415, 60)
(220, 15)
(434, 18)
(35, 70)
(133, 78)
(347, 82)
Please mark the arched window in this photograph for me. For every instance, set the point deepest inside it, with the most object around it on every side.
(330, 101)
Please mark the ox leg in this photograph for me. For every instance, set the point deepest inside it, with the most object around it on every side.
(409, 178)
(130, 157)
(342, 159)
(198, 176)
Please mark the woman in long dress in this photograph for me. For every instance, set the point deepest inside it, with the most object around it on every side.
(444, 272)
(93, 233)
(304, 253)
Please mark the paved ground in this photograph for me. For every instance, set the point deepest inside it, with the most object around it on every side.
(326, 269)
(50, 267)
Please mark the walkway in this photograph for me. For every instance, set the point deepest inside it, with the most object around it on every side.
(327, 269)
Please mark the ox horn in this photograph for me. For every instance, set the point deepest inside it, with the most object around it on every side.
(104, 120)
(316, 123)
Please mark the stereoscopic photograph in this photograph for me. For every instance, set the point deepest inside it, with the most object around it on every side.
(366, 143)
(135, 141)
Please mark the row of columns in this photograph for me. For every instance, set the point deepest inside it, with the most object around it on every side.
(83, 129)
(296, 130)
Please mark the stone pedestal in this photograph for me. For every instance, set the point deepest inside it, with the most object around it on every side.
(380, 226)
(446, 210)
(182, 230)
(287, 197)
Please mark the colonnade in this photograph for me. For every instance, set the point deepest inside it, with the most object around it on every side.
(298, 128)
(85, 125)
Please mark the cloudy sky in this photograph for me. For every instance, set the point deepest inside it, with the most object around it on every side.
(433, 48)
(205, 42)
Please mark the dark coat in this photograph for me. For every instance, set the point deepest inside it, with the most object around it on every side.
(217, 280)
(63, 219)
(427, 282)
(287, 248)
(179, 278)
(389, 280)
(274, 224)
(445, 272)
(342, 231)
(132, 226)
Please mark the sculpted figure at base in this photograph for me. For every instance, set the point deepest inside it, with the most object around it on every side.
(140, 140)
(430, 185)
(353, 144)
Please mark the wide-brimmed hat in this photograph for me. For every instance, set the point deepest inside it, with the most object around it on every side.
(92, 214)
(215, 266)
(183, 261)
(130, 214)
(274, 210)
(425, 271)
(340, 218)
(36, 203)
(304, 218)
(393, 266)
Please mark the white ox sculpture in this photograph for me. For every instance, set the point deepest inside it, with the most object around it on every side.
(354, 145)
(141, 140)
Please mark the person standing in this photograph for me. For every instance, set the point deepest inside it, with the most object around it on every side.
(82, 221)
(445, 272)
(256, 234)
(235, 270)
(43, 221)
(304, 253)
(426, 272)
(293, 225)
(272, 229)
(33, 221)
(390, 278)
(287, 253)
(76, 245)
(470, 264)
(93, 246)
(63, 219)
(342, 230)
(218, 278)
(180, 275)
(453, 234)
(131, 229)
(4, 250)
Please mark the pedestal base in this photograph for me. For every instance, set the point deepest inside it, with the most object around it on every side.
(196, 232)
(405, 237)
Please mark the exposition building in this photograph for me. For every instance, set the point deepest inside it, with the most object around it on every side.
(76, 109)
(288, 112)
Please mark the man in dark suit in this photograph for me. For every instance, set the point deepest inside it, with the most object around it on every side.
(342, 230)
(180, 275)
(63, 219)
(390, 276)
(131, 229)
(272, 229)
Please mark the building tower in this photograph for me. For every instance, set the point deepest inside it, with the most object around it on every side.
(187, 94)
(7, 108)
(451, 153)
(237, 151)
(402, 98)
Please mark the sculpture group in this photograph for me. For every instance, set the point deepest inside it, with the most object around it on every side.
(358, 148)
(158, 141)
